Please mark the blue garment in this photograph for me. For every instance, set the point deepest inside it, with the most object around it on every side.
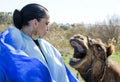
(22, 61)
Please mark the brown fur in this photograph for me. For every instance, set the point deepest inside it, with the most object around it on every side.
(91, 60)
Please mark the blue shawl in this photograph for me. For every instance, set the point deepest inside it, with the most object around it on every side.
(22, 61)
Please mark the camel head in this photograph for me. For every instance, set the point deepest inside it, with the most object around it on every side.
(90, 56)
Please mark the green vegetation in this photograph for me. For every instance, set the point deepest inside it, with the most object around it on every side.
(116, 57)
(5, 18)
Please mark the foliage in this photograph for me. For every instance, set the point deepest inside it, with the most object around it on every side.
(65, 26)
(5, 18)
(57, 37)
(116, 57)
(3, 27)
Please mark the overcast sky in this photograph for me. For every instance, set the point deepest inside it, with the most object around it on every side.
(70, 11)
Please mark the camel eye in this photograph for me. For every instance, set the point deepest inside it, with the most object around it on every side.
(99, 48)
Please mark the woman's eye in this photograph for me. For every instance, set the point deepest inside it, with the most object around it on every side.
(47, 23)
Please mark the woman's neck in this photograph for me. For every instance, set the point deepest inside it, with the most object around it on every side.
(27, 30)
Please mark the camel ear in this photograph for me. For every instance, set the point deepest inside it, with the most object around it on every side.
(110, 49)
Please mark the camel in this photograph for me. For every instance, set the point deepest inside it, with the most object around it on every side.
(91, 60)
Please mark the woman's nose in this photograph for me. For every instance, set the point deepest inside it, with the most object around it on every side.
(47, 28)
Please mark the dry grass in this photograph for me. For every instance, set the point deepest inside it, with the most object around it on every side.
(3, 27)
(57, 37)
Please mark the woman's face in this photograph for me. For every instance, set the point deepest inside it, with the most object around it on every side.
(42, 27)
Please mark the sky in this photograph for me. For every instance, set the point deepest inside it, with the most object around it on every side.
(70, 11)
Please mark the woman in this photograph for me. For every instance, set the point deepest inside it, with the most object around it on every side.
(25, 56)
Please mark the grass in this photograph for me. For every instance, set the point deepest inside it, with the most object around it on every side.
(115, 57)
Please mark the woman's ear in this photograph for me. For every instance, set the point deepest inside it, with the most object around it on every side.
(35, 23)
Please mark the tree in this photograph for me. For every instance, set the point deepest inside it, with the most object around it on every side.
(6, 18)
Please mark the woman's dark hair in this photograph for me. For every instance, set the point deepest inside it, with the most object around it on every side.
(27, 13)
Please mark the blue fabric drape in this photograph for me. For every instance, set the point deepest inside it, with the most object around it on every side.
(17, 66)
(22, 61)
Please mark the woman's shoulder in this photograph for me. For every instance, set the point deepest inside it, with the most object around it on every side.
(43, 41)
(12, 36)
(10, 30)
(45, 44)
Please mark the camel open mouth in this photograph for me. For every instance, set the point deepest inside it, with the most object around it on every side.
(79, 52)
